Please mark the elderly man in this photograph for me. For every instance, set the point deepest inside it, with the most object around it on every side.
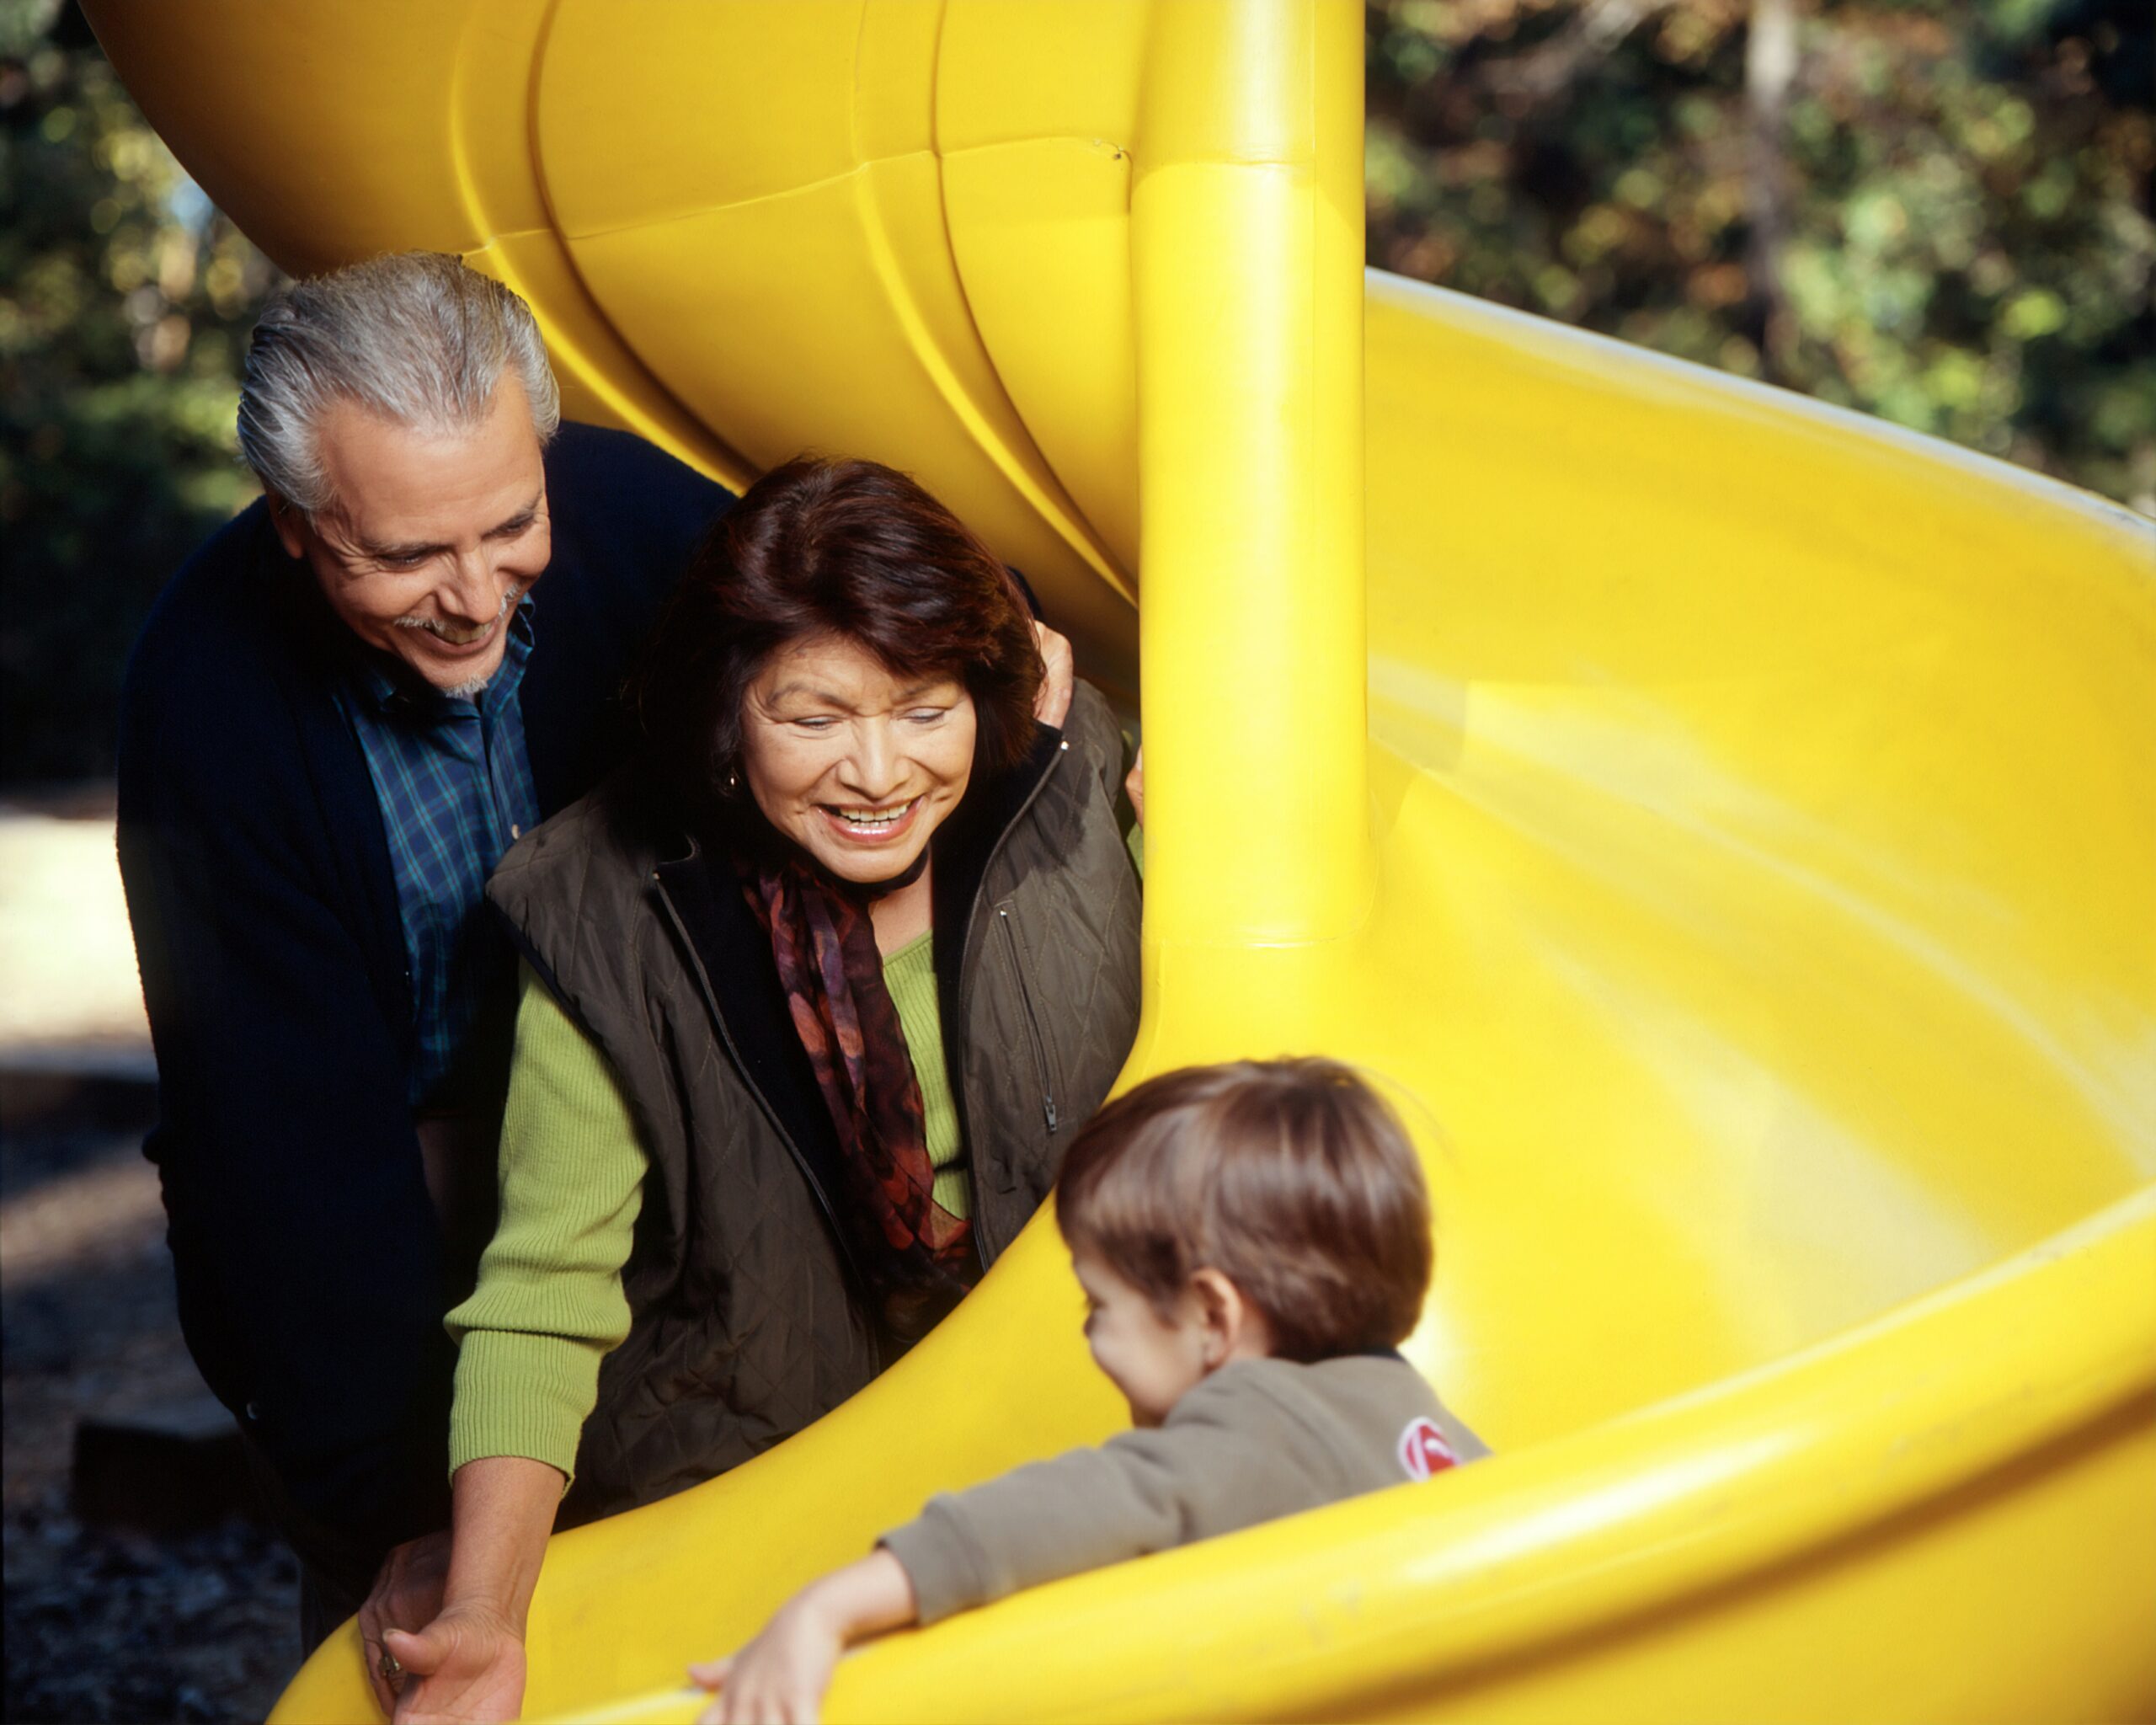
(342, 712)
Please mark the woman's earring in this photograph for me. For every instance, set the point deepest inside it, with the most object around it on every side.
(733, 782)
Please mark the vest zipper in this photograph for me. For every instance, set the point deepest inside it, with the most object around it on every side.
(1014, 946)
(988, 1246)
(718, 1022)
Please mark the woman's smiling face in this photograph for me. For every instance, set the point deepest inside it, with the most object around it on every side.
(857, 765)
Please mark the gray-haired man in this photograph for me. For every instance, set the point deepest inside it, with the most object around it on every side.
(340, 715)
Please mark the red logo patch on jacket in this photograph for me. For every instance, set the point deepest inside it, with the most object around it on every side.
(1423, 1449)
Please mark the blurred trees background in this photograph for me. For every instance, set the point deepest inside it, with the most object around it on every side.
(124, 303)
(1938, 211)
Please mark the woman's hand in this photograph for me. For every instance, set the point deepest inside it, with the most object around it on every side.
(779, 1679)
(468, 1665)
(406, 1593)
(1058, 674)
(468, 1662)
(1133, 785)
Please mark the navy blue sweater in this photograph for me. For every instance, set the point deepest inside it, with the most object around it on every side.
(312, 1275)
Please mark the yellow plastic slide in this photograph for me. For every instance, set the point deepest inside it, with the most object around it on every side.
(1729, 824)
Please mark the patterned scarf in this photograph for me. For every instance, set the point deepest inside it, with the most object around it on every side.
(918, 1257)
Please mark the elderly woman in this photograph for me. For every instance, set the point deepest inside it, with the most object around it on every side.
(810, 1005)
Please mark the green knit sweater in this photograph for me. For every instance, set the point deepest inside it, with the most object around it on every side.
(549, 1307)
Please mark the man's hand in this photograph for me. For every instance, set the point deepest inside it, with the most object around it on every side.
(1058, 673)
(1133, 785)
(466, 1665)
(406, 1593)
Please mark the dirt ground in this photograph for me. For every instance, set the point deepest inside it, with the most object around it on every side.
(101, 1624)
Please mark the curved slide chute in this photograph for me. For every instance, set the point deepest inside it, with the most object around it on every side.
(1726, 823)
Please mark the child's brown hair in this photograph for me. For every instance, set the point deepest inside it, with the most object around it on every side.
(1291, 1178)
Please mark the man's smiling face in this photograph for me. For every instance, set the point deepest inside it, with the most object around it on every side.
(430, 538)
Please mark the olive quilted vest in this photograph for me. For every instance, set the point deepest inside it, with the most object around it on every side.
(748, 1322)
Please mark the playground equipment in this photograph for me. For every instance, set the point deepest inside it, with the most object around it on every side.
(1731, 824)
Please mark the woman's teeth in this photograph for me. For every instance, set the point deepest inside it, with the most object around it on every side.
(874, 820)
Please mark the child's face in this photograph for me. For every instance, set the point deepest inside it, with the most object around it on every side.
(1154, 1361)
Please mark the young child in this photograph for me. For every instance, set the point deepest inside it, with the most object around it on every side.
(1254, 1241)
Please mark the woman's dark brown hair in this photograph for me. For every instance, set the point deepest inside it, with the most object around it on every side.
(850, 548)
(1291, 1178)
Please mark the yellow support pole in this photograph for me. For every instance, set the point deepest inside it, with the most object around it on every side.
(1246, 255)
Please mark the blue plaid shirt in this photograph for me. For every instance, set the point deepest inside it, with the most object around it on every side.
(454, 781)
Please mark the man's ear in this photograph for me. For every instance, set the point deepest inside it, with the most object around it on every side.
(289, 524)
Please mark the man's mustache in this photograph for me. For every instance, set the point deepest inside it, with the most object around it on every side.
(456, 637)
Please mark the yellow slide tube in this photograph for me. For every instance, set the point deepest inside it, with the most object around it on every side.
(1724, 823)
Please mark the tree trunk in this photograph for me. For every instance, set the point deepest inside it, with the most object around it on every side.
(1771, 63)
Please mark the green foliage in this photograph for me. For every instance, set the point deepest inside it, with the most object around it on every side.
(124, 301)
(1941, 216)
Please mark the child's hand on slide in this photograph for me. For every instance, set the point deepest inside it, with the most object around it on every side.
(779, 1679)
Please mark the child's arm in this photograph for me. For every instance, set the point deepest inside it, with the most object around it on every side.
(1211, 1469)
(1054, 1517)
(782, 1674)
